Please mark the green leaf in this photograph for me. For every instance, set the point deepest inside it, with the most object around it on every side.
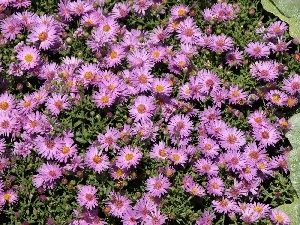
(292, 210)
(80, 140)
(289, 8)
(294, 156)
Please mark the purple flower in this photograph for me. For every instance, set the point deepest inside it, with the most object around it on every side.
(157, 185)
(87, 196)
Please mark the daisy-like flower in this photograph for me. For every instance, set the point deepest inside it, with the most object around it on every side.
(234, 57)
(180, 125)
(277, 28)
(118, 204)
(215, 186)
(232, 139)
(254, 153)
(29, 57)
(224, 206)
(206, 167)
(96, 160)
(158, 53)
(35, 122)
(291, 101)
(179, 11)
(234, 160)
(47, 146)
(140, 6)
(178, 156)
(249, 216)
(292, 84)
(87, 196)
(209, 147)
(279, 217)
(276, 97)
(68, 150)
(158, 35)
(258, 118)
(267, 135)
(220, 43)
(87, 73)
(155, 218)
(44, 35)
(157, 185)
(128, 157)
(7, 102)
(10, 27)
(248, 173)
(206, 218)
(47, 175)
(120, 10)
(257, 49)
(210, 113)
(160, 151)
(109, 139)
(142, 108)
(27, 104)
(9, 124)
(8, 196)
(114, 56)
(56, 103)
(103, 99)
(264, 70)
(161, 86)
(142, 79)
(140, 58)
(80, 7)
(236, 95)
(188, 32)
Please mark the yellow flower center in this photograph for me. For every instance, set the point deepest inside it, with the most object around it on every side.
(176, 157)
(33, 124)
(181, 12)
(141, 108)
(88, 75)
(279, 218)
(4, 105)
(7, 197)
(104, 99)
(106, 28)
(155, 54)
(129, 156)
(162, 152)
(27, 104)
(65, 150)
(113, 54)
(159, 88)
(43, 36)
(97, 159)
(28, 58)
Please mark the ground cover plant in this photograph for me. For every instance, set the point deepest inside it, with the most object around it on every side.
(146, 112)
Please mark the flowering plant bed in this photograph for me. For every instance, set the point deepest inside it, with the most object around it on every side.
(146, 112)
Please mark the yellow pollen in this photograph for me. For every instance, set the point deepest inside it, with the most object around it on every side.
(215, 186)
(176, 157)
(4, 105)
(28, 58)
(258, 208)
(7, 197)
(141, 108)
(181, 12)
(155, 54)
(162, 152)
(279, 218)
(159, 88)
(276, 98)
(261, 166)
(119, 172)
(27, 104)
(97, 159)
(58, 104)
(113, 54)
(104, 99)
(43, 36)
(65, 150)
(106, 28)
(143, 79)
(88, 75)
(231, 139)
(33, 123)
(158, 184)
(129, 156)
(235, 93)
(181, 63)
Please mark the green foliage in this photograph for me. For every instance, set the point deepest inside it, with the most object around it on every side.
(287, 11)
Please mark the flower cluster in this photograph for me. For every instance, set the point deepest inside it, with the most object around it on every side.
(125, 116)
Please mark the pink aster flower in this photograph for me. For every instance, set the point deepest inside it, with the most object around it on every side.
(103, 99)
(224, 205)
(10, 27)
(88, 73)
(142, 79)
(68, 150)
(206, 167)
(157, 185)
(264, 70)
(87, 196)
(258, 118)
(178, 157)
(7, 102)
(158, 35)
(142, 108)
(215, 186)
(277, 28)
(234, 58)
(249, 216)
(180, 125)
(248, 173)
(188, 32)
(47, 176)
(118, 204)
(120, 10)
(128, 157)
(253, 153)
(236, 95)
(8, 196)
(29, 57)
(114, 56)
(257, 49)
(234, 160)
(232, 139)
(279, 217)
(96, 160)
(140, 6)
(161, 86)
(179, 11)
(109, 139)
(56, 103)
(267, 135)
(27, 104)
(160, 151)
(44, 35)
(47, 146)
(209, 147)
(206, 218)
(292, 84)
(155, 218)
(220, 43)
(140, 58)
(276, 97)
